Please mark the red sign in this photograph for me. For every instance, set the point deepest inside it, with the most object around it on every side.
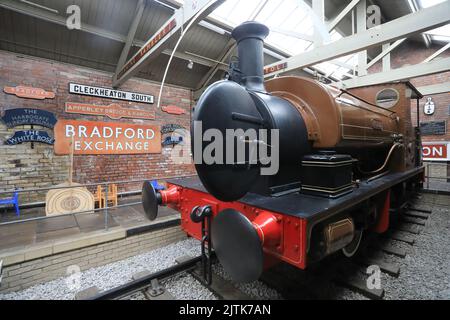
(147, 47)
(91, 137)
(174, 110)
(438, 151)
(113, 111)
(29, 92)
(275, 68)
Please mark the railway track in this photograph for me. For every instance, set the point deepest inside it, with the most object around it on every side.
(148, 285)
(325, 280)
(151, 286)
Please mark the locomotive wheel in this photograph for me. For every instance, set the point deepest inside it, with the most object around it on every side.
(351, 249)
(237, 245)
(150, 200)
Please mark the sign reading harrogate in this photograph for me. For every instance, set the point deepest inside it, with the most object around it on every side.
(19, 117)
(92, 137)
(30, 136)
(113, 111)
(110, 93)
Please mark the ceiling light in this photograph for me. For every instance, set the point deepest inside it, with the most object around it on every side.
(190, 65)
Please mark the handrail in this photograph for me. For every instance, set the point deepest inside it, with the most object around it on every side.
(91, 184)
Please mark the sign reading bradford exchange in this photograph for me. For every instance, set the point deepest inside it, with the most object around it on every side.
(106, 138)
(110, 93)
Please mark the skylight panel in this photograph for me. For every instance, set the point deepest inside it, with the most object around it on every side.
(439, 34)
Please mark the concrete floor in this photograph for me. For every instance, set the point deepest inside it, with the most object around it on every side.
(34, 232)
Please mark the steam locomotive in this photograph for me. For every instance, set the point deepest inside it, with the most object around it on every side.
(347, 161)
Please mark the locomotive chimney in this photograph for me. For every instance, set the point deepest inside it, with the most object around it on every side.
(250, 40)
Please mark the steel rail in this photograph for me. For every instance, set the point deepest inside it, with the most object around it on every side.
(139, 284)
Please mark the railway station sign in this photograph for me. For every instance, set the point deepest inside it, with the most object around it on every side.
(172, 127)
(147, 47)
(30, 136)
(438, 151)
(173, 110)
(113, 111)
(100, 92)
(433, 128)
(96, 138)
(19, 117)
(29, 92)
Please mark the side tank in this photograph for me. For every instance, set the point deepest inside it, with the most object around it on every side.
(335, 118)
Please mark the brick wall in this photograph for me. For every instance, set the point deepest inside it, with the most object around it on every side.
(411, 53)
(23, 167)
(24, 275)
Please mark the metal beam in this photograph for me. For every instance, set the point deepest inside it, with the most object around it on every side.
(437, 53)
(294, 34)
(426, 19)
(318, 7)
(361, 27)
(385, 52)
(386, 61)
(435, 89)
(48, 16)
(169, 30)
(404, 73)
(342, 15)
(59, 20)
(131, 33)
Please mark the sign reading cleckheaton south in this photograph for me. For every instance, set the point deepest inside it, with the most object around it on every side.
(96, 138)
(29, 92)
(85, 90)
(30, 136)
(19, 117)
(113, 111)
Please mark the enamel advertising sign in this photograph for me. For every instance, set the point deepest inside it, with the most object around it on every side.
(95, 138)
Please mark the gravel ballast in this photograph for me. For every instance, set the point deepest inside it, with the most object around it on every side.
(114, 274)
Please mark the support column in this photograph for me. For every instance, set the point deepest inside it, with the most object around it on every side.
(361, 26)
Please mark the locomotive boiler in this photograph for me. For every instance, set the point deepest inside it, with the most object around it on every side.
(345, 163)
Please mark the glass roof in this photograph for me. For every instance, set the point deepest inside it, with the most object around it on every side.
(440, 34)
(291, 24)
(292, 28)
